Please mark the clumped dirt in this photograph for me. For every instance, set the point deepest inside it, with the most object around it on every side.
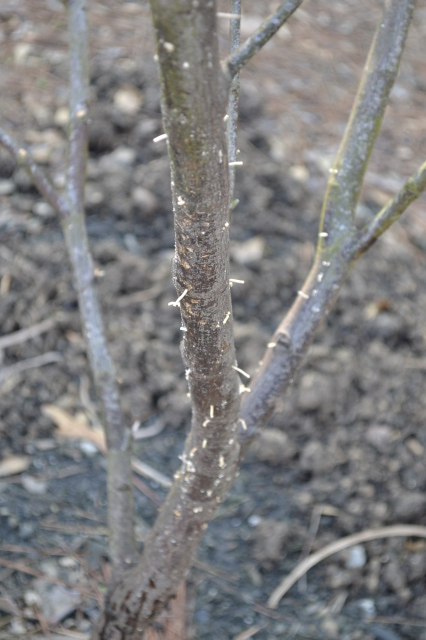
(346, 452)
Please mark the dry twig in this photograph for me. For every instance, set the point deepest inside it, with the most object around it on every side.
(349, 541)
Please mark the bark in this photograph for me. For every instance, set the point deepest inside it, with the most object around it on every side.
(194, 102)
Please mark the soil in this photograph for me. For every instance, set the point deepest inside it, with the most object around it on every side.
(345, 453)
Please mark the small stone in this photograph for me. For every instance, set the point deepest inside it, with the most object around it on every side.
(32, 598)
(356, 557)
(7, 187)
(17, 627)
(394, 576)
(319, 458)
(88, 448)
(315, 391)
(33, 485)
(44, 210)
(410, 506)
(367, 608)
(57, 601)
(248, 252)
(415, 447)
(41, 153)
(61, 117)
(269, 538)
(21, 52)
(124, 155)
(27, 530)
(300, 173)
(330, 628)
(273, 446)
(144, 200)
(381, 436)
(68, 562)
(128, 100)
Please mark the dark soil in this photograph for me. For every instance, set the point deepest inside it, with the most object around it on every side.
(347, 450)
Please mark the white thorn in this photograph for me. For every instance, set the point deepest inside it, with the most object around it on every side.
(230, 16)
(176, 303)
(302, 294)
(243, 373)
(237, 163)
(323, 234)
(243, 422)
(163, 136)
(212, 411)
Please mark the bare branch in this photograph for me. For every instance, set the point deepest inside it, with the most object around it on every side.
(17, 337)
(290, 343)
(23, 158)
(261, 36)
(79, 82)
(194, 102)
(338, 237)
(397, 530)
(391, 212)
(364, 124)
(118, 437)
(234, 43)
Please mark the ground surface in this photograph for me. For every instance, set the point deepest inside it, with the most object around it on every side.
(346, 452)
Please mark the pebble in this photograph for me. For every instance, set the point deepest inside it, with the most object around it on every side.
(356, 557)
(274, 447)
(7, 187)
(128, 100)
(34, 485)
(380, 436)
(330, 628)
(315, 391)
(43, 209)
(410, 506)
(57, 601)
(248, 252)
(144, 200)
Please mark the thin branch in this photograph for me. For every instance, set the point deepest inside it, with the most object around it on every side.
(392, 211)
(261, 36)
(379, 75)
(398, 530)
(79, 82)
(30, 363)
(118, 437)
(17, 337)
(234, 43)
(338, 236)
(23, 158)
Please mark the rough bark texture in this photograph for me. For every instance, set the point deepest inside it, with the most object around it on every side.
(194, 105)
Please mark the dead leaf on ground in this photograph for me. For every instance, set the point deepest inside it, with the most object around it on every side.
(13, 465)
(74, 427)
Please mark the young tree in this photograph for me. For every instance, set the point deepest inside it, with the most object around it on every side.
(199, 99)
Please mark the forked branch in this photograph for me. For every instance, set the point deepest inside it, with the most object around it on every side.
(339, 241)
(261, 36)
